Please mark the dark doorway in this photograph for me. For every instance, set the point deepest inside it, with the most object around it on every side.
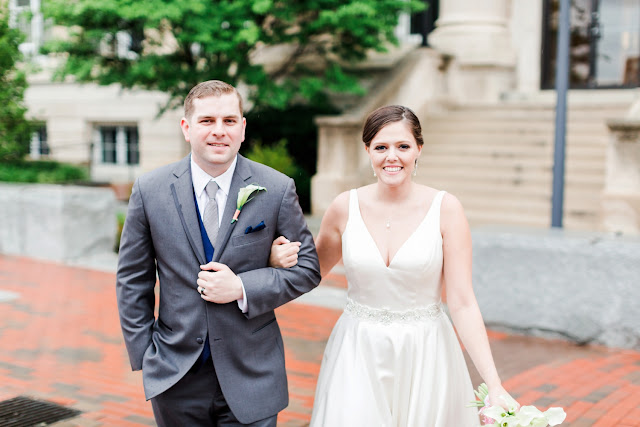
(424, 22)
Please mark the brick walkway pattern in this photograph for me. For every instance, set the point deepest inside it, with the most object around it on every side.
(60, 340)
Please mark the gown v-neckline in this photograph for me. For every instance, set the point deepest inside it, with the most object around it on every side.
(364, 224)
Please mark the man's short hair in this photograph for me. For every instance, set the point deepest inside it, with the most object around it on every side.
(209, 88)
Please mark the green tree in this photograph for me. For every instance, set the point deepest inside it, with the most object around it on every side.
(175, 44)
(15, 129)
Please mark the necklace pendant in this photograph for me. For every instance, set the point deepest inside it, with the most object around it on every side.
(388, 223)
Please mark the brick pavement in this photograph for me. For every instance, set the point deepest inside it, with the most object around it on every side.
(60, 340)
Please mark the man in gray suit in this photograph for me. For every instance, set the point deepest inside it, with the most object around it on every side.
(214, 353)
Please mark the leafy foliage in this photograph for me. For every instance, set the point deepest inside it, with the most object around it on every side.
(275, 156)
(15, 129)
(267, 126)
(175, 44)
(42, 172)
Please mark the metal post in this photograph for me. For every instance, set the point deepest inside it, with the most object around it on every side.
(562, 82)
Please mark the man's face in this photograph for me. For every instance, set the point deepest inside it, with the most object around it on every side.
(215, 132)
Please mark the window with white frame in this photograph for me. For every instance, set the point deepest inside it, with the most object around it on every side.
(117, 145)
(122, 45)
(27, 17)
(39, 146)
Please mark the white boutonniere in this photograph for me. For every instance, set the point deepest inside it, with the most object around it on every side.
(244, 197)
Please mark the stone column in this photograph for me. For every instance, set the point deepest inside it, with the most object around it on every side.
(342, 160)
(475, 35)
(621, 198)
(526, 33)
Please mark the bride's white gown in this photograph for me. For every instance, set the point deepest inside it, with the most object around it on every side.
(393, 358)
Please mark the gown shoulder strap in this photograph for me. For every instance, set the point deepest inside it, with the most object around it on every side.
(354, 207)
(436, 205)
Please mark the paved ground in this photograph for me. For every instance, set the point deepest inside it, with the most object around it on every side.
(60, 341)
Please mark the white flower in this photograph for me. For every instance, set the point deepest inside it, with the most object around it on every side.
(512, 405)
(527, 414)
(244, 197)
(495, 412)
(555, 416)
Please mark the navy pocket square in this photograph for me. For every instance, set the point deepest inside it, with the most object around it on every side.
(258, 227)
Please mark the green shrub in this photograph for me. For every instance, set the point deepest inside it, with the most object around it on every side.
(41, 172)
(296, 125)
(15, 128)
(275, 156)
(121, 216)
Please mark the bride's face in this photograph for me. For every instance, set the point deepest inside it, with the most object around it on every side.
(393, 153)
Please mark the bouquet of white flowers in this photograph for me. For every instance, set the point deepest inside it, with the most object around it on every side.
(526, 416)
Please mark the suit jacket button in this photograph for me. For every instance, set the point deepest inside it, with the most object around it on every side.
(199, 340)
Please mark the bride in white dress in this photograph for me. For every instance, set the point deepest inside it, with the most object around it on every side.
(393, 358)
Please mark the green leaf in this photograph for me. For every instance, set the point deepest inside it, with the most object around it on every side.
(15, 129)
(179, 43)
(261, 7)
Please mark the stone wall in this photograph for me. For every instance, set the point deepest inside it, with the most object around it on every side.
(584, 287)
(56, 222)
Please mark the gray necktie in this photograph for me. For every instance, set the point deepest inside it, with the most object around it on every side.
(210, 218)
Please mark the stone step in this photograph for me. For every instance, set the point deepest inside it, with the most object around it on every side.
(498, 160)
(504, 200)
(516, 156)
(497, 169)
(523, 112)
(525, 137)
(570, 220)
(511, 127)
(484, 217)
(514, 201)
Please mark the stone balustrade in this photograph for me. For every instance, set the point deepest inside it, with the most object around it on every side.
(62, 223)
(579, 286)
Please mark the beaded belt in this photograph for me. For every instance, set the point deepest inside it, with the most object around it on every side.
(382, 315)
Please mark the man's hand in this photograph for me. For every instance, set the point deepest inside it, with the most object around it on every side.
(217, 283)
(284, 254)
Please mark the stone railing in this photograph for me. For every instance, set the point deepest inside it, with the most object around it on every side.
(56, 222)
(583, 287)
(621, 198)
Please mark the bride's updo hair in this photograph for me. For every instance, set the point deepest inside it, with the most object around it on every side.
(390, 114)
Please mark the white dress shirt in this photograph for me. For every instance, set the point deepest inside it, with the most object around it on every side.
(200, 180)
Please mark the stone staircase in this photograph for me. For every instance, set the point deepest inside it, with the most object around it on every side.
(498, 160)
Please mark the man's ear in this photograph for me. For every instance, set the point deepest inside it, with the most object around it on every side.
(184, 125)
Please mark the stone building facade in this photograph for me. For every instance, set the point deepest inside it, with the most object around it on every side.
(482, 85)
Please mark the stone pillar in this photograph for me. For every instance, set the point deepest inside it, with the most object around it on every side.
(475, 34)
(526, 32)
(621, 198)
(342, 160)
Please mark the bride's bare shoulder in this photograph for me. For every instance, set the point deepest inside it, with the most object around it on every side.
(451, 203)
(338, 211)
(425, 193)
(452, 215)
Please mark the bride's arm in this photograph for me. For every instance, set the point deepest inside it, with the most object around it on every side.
(329, 240)
(461, 299)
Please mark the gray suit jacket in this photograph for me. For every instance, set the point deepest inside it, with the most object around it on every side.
(161, 236)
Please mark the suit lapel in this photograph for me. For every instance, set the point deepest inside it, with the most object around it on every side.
(241, 175)
(182, 189)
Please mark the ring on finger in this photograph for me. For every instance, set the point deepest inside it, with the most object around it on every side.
(201, 290)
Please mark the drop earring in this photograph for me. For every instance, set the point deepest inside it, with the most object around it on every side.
(374, 171)
(415, 169)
